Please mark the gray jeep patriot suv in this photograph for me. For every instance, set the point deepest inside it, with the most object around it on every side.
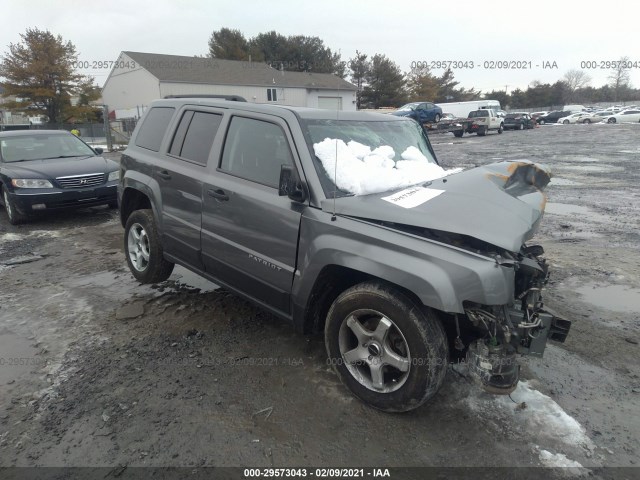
(344, 222)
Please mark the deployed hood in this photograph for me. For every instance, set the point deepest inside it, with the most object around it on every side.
(60, 167)
(501, 203)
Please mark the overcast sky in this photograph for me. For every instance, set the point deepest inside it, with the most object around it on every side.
(537, 31)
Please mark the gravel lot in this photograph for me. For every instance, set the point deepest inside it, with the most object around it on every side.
(111, 373)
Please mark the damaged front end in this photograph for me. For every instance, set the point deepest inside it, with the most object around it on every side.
(503, 332)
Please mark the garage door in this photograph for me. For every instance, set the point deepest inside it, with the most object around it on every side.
(330, 103)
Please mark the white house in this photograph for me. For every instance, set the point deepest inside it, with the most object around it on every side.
(138, 78)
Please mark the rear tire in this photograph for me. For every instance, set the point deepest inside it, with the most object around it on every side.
(458, 133)
(586, 120)
(391, 352)
(482, 131)
(521, 126)
(143, 249)
(15, 217)
(612, 120)
(540, 122)
(566, 122)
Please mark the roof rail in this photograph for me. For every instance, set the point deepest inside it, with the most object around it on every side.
(233, 98)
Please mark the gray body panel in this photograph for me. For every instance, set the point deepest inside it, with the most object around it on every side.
(271, 249)
(442, 276)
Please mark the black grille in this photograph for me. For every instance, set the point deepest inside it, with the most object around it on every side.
(81, 181)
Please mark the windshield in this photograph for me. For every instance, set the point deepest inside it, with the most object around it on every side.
(371, 157)
(408, 107)
(41, 147)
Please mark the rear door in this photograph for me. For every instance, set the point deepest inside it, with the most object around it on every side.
(249, 233)
(179, 174)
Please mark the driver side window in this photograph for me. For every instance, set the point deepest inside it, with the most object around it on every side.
(255, 150)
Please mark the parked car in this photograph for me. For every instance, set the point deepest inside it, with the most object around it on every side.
(626, 116)
(484, 120)
(518, 121)
(44, 170)
(422, 112)
(307, 215)
(539, 114)
(573, 118)
(592, 117)
(552, 117)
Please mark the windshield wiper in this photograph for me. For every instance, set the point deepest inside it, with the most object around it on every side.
(63, 156)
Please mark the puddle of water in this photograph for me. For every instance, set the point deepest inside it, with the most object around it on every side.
(563, 182)
(579, 158)
(566, 209)
(182, 276)
(620, 298)
(593, 168)
(17, 357)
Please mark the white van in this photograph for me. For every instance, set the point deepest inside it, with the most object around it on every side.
(462, 109)
(573, 108)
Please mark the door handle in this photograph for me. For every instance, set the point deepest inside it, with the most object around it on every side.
(218, 194)
(164, 175)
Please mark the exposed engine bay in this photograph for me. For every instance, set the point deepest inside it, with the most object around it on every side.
(505, 331)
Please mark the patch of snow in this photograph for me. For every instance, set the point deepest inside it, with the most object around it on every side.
(10, 237)
(569, 468)
(362, 171)
(542, 415)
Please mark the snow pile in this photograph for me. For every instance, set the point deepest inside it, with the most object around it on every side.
(362, 171)
(547, 417)
(10, 237)
(541, 415)
(570, 468)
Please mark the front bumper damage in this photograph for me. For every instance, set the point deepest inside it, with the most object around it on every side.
(508, 331)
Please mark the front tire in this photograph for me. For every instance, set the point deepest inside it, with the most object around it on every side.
(143, 248)
(521, 126)
(388, 350)
(437, 117)
(15, 217)
(501, 129)
(611, 120)
(566, 122)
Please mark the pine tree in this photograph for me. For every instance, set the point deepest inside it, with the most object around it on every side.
(40, 72)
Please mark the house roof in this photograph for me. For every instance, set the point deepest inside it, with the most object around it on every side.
(213, 71)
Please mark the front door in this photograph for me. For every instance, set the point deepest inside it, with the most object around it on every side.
(249, 232)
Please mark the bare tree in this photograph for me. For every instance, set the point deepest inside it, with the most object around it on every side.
(619, 79)
(574, 80)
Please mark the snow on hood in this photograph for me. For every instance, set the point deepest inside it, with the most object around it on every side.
(363, 171)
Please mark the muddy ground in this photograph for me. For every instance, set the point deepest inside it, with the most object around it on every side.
(96, 370)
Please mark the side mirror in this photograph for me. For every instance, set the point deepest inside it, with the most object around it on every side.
(98, 150)
(290, 185)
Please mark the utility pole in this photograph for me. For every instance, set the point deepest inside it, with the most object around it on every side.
(107, 128)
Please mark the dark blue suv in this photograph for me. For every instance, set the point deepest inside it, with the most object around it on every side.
(422, 112)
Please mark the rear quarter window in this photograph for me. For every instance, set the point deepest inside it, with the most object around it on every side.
(154, 126)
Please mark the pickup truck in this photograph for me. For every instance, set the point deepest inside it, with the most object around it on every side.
(482, 121)
(344, 223)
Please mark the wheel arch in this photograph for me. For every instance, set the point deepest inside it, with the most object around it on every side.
(329, 284)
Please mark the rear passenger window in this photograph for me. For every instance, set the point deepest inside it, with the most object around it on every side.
(194, 136)
(154, 127)
(255, 150)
